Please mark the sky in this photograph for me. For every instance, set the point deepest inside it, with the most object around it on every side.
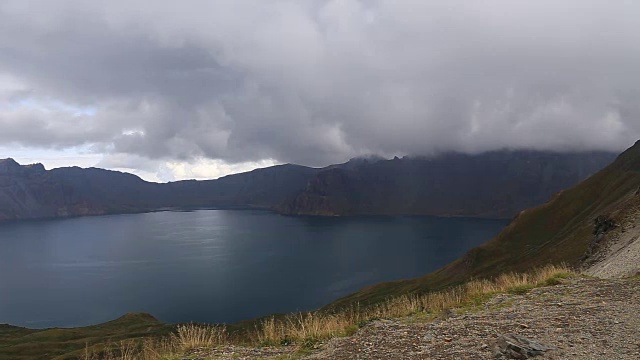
(199, 89)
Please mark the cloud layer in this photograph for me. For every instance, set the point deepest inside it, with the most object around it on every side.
(316, 82)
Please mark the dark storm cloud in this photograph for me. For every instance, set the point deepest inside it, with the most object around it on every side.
(316, 82)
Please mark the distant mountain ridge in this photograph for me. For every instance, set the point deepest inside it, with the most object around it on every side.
(31, 192)
(495, 184)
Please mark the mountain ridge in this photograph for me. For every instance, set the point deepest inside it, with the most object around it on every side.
(496, 184)
(30, 192)
(447, 185)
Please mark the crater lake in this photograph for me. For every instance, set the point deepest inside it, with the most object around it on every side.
(216, 266)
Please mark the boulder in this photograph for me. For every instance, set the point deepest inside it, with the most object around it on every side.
(512, 346)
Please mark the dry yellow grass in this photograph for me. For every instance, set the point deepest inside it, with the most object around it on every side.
(125, 350)
(187, 337)
(317, 325)
(195, 336)
(302, 328)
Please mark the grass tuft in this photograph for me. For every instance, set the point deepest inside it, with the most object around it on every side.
(192, 336)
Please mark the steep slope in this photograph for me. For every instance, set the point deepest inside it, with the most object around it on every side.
(495, 184)
(615, 249)
(561, 230)
(31, 192)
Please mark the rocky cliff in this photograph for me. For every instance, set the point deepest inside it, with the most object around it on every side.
(496, 184)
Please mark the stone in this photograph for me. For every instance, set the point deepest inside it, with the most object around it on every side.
(512, 346)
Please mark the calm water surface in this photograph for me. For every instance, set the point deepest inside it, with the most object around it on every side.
(212, 265)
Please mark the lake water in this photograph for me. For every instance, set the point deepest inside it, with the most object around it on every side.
(212, 265)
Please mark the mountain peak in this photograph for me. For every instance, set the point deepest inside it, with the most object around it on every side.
(37, 167)
(9, 166)
(8, 161)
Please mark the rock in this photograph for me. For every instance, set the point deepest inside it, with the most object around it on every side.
(446, 314)
(602, 224)
(512, 346)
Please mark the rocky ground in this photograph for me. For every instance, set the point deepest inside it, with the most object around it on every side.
(619, 252)
(583, 319)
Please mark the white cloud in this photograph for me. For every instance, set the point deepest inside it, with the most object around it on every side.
(202, 169)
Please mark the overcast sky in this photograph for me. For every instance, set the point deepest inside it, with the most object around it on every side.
(202, 88)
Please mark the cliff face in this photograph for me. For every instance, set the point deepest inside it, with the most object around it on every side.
(495, 184)
(31, 192)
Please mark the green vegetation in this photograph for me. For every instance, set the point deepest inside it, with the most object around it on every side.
(20, 343)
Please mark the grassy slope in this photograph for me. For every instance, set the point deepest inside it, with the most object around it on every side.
(555, 232)
(20, 343)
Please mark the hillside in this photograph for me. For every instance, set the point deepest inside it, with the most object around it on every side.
(559, 231)
(31, 192)
(496, 184)
(18, 343)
